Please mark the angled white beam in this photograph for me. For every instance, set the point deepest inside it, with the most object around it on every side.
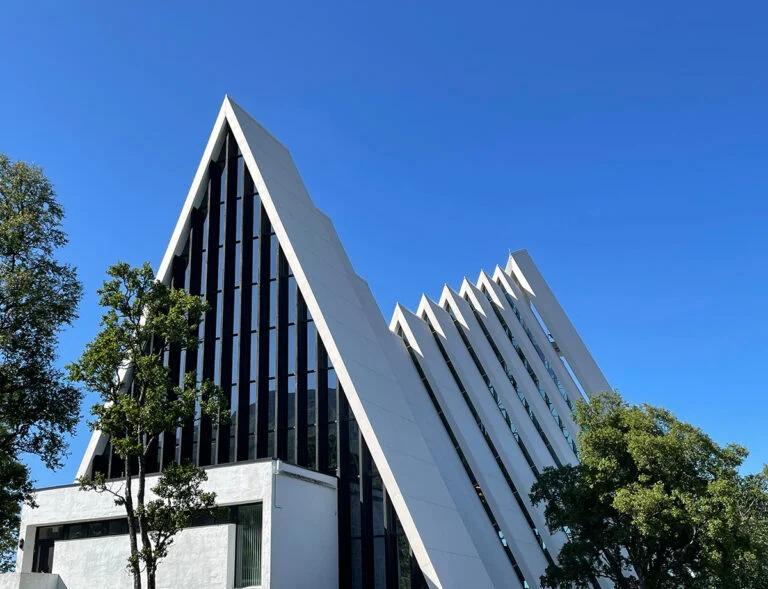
(521, 266)
(508, 287)
(482, 349)
(509, 450)
(547, 421)
(532, 355)
(466, 434)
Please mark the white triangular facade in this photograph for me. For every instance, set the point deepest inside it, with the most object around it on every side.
(459, 404)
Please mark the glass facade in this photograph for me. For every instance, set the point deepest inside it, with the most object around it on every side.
(260, 344)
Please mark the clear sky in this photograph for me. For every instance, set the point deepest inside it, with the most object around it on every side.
(624, 145)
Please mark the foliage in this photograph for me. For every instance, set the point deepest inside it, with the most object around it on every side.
(144, 319)
(654, 503)
(38, 297)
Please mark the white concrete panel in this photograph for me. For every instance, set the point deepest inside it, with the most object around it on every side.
(531, 391)
(249, 482)
(499, 380)
(29, 581)
(187, 565)
(505, 284)
(304, 539)
(521, 266)
(512, 403)
(490, 477)
(475, 519)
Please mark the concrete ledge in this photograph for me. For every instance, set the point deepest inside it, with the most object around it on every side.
(30, 581)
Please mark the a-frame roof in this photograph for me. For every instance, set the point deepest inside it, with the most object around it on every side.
(373, 368)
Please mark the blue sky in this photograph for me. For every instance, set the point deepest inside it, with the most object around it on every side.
(624, 146)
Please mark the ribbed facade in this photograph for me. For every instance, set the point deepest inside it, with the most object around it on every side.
(434, 427)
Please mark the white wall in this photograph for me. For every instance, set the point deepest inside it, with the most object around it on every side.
(29, 581)
(299, 525)
(304, 535)
(199, 558)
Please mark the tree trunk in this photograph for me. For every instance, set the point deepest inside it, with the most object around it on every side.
(135, 567)
(149, 560)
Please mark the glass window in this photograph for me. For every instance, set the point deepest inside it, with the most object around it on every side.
(292, 349)
(248, 546)
(291, 300)
(311, 346)
(273, 303)
(291, 401)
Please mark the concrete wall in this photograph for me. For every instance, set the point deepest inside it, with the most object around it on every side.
(304, 534)
(299, 525)
(199, 558)
(29, 581)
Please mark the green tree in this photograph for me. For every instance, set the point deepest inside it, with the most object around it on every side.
(124, 365)
(655, 503)
(39, 296)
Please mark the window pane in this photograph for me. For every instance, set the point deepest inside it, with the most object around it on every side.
(248, 552)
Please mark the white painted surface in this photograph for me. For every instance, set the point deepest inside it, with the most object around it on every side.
(198, 559)
(468, 436)
(29, 581)
(304, 541)
(524, 382)
(301, 503)
(521, 266)
(508, 286)
(497, 492)
(497, 292)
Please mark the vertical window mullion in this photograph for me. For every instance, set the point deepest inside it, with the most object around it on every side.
(321, 406)
(366, 498)
(302, 450)
(211, 288)
(190, 360)
(228, 293)
(262, 390)
(344, 531)
(390, 546)
(281, 394)
(178, 271)
(244, 330)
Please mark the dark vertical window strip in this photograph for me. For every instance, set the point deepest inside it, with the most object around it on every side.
(390, 547)
(512, 381)
(366, 500)
(302, 444)
(116, 464)
(344, 507)
(532, 374)
(281, 394)
(491, 445)
(178, 276)
(190, 360)
(262, 390)
(211, 291)
(228, 294)
(417, 580)
(246, 301)
(321, 407)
